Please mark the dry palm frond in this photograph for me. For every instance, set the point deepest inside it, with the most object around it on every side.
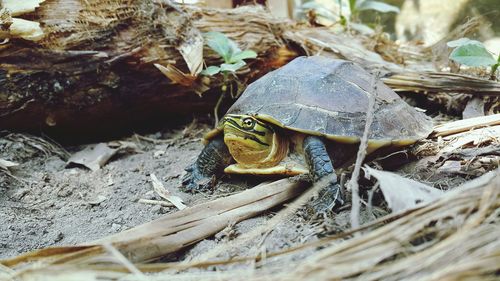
(34, 143)
(171, 232)
(452, 238)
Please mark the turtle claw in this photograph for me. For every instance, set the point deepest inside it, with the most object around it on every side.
(327, 201)
(194, 181)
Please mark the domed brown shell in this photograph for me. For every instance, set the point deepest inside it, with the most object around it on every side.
(330, 97)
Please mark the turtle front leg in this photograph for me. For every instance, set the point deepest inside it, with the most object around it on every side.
(320, 166)
(211, 162)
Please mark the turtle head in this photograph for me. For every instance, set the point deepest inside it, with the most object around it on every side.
(252, 143)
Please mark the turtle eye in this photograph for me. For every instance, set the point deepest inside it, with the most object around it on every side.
(248, 123)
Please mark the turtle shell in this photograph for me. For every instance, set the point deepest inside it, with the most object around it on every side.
(330, 97)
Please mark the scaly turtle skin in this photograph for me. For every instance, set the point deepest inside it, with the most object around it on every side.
(302, 109)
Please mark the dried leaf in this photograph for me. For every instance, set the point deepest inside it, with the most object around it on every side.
(165, 194)
(176, 75)
(95, 157)
(6, 164)
(475, 137)
(17, 7)
(474, 108)
(26, 29)
(192, 52)
(401, 193)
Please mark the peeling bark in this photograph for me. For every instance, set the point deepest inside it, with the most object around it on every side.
(94, 67)
(93, 70)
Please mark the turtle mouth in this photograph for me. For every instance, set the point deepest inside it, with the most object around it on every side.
(244, 150)
(236, 135)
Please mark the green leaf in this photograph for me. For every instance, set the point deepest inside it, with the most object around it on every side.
(377, 6)
(211, 70)
(232, 67)
(462, 41)
(246, 54)
(352, 5)
(219, 43)
(472, 54)
(233, 48)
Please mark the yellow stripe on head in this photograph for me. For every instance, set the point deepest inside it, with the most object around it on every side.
(251, 142)
(249, 128)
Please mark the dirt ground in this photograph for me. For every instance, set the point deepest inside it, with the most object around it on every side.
(50, 205)
(45, 203)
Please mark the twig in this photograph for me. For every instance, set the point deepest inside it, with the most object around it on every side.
(216, 108)
(156, 202)
(353, 183)
(154, 141)
(124, 261)
(268, 226)
(459, 126)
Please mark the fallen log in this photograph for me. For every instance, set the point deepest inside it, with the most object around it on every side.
(93, 67)
(79, 68)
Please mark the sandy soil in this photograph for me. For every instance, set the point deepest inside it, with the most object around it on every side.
(48, 203)
(44, 202)
(51, 205)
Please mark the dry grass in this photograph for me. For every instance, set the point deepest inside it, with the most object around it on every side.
(453, 238)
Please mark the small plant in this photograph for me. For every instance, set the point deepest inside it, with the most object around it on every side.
(232, 55)
(357, 6)
(473, 53)
(348, 10)
(233, 58)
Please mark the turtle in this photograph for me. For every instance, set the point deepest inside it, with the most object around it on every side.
(303, 108)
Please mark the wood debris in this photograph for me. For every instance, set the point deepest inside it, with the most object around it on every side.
(165, 194)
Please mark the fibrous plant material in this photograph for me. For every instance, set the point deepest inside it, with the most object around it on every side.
(466, 125)
(98, 64)
(442, 82)
(174, 231)
(452, 238)
(94, 67)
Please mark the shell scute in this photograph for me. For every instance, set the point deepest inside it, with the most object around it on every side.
(330, 97)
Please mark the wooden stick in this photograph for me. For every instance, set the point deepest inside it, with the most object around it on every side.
(173, 231)
(465, 125)
(156, 202)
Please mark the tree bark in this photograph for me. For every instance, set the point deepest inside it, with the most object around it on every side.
(92, 70)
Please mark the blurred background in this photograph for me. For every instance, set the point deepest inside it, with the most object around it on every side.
(420, 21)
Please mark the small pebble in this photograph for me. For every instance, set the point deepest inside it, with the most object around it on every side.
(59, 237)
(156, 209)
